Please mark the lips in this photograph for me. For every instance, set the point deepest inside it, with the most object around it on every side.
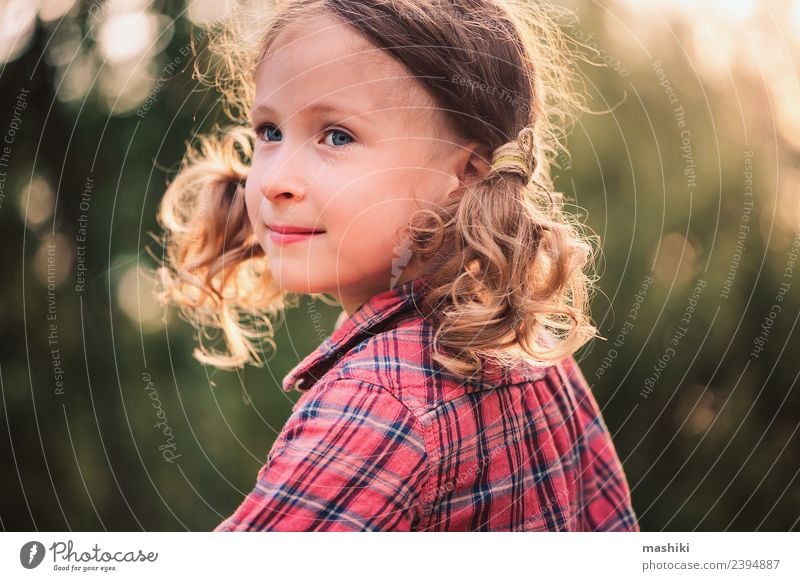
(287, 234)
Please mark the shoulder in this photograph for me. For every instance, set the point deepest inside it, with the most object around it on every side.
(357, 420)
(350, 457)
(345, 404)
(398, 360)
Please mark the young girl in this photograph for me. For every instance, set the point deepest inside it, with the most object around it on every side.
(397, 158)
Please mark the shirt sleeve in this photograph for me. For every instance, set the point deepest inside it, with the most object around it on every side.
(350, 458)
(605, 497)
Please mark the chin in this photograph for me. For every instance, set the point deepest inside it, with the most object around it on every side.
(299, 280)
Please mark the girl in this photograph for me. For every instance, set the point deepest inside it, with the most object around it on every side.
(397, 158)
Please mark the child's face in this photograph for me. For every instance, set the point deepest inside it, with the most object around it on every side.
(353, 174)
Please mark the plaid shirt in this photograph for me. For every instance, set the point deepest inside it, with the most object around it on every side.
(384, 439)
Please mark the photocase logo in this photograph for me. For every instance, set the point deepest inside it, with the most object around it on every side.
(31, 554)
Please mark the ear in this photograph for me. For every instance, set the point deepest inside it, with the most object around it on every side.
(474, 163)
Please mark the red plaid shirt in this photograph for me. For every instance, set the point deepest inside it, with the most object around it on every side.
(382, 438)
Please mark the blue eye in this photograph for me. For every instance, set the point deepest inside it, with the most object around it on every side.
(268, 132)
(339, 142)
(268, 128)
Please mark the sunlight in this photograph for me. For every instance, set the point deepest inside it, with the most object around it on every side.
(17, 24)
(126, 36)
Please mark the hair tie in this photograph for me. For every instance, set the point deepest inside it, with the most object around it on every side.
(515, 157)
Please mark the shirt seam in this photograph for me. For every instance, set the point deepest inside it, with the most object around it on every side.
(427, 438)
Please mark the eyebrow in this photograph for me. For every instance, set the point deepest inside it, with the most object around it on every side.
(318, 108)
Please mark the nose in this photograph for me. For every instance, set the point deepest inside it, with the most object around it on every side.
(282, 176)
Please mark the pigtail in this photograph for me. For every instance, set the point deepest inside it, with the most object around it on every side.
(507, 268)
(213, 269)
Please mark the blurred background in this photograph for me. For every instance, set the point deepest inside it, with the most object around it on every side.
(688, 171)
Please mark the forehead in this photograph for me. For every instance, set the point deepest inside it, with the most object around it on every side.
(323, 59)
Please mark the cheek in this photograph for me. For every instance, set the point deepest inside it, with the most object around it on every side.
(377, 210)
(375, 228)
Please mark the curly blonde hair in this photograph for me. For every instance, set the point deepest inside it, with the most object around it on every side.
(510, 269)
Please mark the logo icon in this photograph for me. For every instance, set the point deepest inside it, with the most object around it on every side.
(31, 554)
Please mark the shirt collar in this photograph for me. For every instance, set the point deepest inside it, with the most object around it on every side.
(352, 330)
